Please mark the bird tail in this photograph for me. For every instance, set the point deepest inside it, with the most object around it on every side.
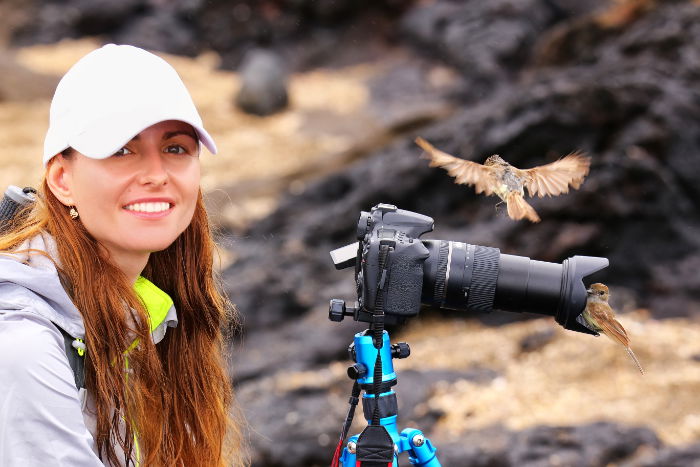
(518, 208)
(634, 357)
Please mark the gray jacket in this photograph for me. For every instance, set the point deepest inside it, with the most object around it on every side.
(44, 419)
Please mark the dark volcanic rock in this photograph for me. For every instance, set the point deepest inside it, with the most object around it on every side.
(596, 444)
(687, 456)
(276, 410)
(482, 39)
(191, 26)
(631, 108)
(167, 30)
(638, 207)
(293, 346)
(592, 445)
(56, 20)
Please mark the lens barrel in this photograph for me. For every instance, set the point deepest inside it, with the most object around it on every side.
(528, 285)
(475, 278)
(460, 276)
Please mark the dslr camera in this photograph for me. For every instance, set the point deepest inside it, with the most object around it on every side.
(399, 272)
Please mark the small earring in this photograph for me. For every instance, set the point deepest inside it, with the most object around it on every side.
(73, 213)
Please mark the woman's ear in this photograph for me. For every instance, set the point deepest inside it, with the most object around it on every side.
(58, 179)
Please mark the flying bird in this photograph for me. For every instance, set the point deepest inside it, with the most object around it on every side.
(599, 316)
(496, 176)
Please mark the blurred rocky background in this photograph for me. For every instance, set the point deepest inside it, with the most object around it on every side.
(345, 87)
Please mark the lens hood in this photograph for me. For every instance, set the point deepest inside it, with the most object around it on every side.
(573, 293)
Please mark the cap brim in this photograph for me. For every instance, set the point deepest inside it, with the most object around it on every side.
(106, 136)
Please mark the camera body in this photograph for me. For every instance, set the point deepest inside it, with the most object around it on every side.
(402, 283)
(395, 268)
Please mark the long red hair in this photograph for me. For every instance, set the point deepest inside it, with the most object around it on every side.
(170, 404)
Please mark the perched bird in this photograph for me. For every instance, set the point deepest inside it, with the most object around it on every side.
(497, 176)
(599, 317)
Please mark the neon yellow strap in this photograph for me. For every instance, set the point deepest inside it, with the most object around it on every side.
(157, 304)
(137, 448)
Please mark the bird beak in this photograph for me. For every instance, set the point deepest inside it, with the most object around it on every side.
(589, 291)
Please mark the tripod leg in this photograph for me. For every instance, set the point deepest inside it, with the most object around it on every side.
(349, 457)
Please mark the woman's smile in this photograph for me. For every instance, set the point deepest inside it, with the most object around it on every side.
(150, 208)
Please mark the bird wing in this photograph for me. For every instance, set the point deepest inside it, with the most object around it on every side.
(465, 172)
(554, 178)
(613, 329)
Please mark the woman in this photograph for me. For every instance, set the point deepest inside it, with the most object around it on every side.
(117, 254)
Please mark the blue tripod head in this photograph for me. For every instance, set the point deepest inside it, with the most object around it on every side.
(379, 403)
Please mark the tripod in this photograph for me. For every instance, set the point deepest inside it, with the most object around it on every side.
(420, 450)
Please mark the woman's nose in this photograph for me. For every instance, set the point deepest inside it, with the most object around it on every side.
(154, 171)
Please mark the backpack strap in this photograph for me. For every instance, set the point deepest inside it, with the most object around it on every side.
(75, 351)
(13, 201)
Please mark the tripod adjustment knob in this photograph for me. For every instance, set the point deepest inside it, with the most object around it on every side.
(357, 371)
(400, 350)
(336, 310)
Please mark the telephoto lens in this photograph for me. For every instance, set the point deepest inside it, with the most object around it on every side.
(474, 278)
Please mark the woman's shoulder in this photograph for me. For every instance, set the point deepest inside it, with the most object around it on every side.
(30, 345)
(38, 252)
(29, 282)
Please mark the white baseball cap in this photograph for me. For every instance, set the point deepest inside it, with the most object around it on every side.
(111, 95)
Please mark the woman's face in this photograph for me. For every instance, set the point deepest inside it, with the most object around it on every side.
(140, 199)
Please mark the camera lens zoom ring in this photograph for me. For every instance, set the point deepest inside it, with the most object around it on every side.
(484, 278)
(440, 277)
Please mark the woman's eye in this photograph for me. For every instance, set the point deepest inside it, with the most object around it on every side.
(176, 149)
(122, 152)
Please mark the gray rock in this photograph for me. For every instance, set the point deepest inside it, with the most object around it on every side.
(263, 83)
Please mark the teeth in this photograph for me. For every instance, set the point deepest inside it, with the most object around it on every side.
(148, 207)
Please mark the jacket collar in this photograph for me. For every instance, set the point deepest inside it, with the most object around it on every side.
(159, 307)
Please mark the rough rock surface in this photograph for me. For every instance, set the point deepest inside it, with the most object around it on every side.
(189, 27)
(638, 207)
(627, 101)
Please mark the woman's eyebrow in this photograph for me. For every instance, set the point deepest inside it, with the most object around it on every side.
(171, 134)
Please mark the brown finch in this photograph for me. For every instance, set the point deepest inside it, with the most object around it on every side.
(599, 317)
(497, 176)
